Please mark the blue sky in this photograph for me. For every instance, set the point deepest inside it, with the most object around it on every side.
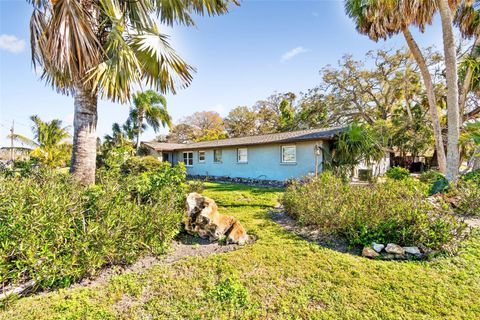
(244, 56)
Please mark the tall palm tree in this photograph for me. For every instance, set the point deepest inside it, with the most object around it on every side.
(93, 49)
(149, 107)
(48, 141)
(121, 134)
(381, 19)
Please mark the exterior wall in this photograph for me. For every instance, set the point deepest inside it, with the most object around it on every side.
(264, 162)
(378, 169)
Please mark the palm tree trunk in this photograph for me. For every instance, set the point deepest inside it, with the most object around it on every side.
(432, 101)
(467, 82)
(453, 114)
(139, 129)
(84, 135)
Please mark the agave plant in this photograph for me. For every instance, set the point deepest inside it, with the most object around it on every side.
(102, 48)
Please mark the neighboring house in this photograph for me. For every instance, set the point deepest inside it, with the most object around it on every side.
(15, 153)
(276, 156)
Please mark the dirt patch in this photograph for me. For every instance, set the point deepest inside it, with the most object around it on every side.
(311, 234)
(473, 222)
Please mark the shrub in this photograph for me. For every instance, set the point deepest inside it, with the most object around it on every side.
(431, 176)
(196, 186)
(137, 165)
(473, 176)
(231, 292)
(467, 194)
(397, 173)
(395, 211)
(56, 231)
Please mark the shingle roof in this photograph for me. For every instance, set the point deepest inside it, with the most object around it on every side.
(282, 137)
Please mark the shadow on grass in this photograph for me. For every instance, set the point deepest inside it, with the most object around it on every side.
(219, 186)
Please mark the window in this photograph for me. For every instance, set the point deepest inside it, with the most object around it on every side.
(242, 155)
(201, 156)
(188, 158)
(217, 155)
(289, 154)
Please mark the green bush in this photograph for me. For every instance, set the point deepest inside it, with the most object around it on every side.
(397, 173)
(473, 176)
(56, 231)
(431, 176)
(395, 211)
(467, 194)
(137, 165)
(196, 186)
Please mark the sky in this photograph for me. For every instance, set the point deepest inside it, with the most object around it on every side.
(257, 49)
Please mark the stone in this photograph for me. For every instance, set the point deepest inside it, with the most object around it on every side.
(378, 247)
(394, 248)
(204, 220)
(412, 250)
(388, 256)
(369, 253)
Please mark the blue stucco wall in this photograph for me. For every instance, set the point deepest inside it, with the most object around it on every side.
(264, 162)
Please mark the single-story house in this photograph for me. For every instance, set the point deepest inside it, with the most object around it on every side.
(276, 156)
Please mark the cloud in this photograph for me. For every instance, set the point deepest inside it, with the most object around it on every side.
(292, 53)
(11, 43)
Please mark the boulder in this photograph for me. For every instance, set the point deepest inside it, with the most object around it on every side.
(412, 250)
(369, 253)
(204, 220)
(394, 249)
(378, 247)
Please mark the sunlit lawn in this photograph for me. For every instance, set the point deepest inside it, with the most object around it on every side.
(284, 277)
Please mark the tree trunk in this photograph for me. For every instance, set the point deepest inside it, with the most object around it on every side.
(453, 114)
(139, 130)
(432, 101)
(467, 81)
(84, 136)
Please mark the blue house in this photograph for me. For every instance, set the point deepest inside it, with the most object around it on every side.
(277, 156)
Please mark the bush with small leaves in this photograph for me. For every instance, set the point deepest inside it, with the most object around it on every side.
(397, 173)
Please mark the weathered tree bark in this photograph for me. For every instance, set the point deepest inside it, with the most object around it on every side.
(432, 101)
(453, 112)
(84, 135)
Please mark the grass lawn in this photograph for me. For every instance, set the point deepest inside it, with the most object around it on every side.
(281, 276)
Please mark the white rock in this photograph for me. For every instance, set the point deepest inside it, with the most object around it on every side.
(412, 250)
(394, 248)
(378, 247)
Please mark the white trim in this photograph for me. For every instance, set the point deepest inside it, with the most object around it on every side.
(183, 158)
(294, 153)
(238, 155)
(204, 156)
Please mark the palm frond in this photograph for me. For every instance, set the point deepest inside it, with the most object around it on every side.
(22, 139)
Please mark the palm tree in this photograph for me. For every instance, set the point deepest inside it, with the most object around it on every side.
(380, 20)
(49, 142)
(93, 49)
(121, 134)
(149, 107)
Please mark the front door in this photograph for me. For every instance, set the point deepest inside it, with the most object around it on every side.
(166, 157)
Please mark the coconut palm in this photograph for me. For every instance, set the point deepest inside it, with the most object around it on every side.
(93, 49)
(467, 18)
(149, 107)
(121, 134)
(49, 142)
(380, 20)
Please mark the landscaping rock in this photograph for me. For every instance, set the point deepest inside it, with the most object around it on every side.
(412, 250)
(369, 253)
(378, 247)
(394, 249)
(204, 220)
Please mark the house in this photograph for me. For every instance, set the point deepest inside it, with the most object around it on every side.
(276, 156)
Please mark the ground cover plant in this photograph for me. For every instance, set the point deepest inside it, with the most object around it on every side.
(392, 212)
(55, 231)
(280, 276)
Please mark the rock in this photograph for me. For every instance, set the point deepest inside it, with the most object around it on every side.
(369, 253)
(204, 220)
(394, 248)
(388, 256)
(378, 247)
(412, 250)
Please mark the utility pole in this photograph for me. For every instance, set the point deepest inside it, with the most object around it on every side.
(12, 130)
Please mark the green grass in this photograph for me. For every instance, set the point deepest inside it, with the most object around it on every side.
(281, 276)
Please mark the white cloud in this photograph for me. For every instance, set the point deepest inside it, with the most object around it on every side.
(292, 53)
(11, 43)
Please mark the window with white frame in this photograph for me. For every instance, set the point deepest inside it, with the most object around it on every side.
(188, 158)
(289, 154)
(201, 156)
(242, 155)
(217, 155)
